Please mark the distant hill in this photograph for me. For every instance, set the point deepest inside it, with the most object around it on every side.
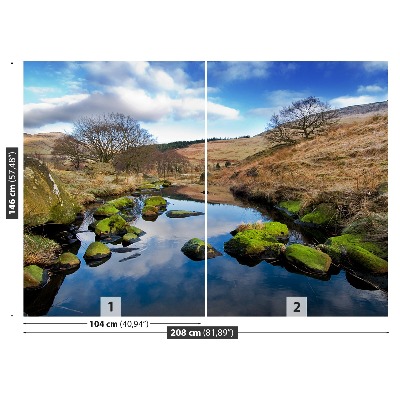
(41, 144)
(219, 150)
(371, 108)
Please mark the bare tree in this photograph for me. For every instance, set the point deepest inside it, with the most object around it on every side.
(107, 135)
(136, 159)
(306, 118)
(71, 149)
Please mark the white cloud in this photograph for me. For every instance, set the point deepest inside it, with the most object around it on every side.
(217, 111)
(65, 100)
(372, 66)
(370, 89)
(147, 92)
(345, 101)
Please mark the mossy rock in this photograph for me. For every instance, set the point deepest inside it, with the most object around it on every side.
(291, 207)
(373, 229)
(68, 261)
(106, 210)
(155, 201)
(359, 254)
(254, 243)
(40, 250)
(274, 229)
(182, 213)
(97, 251)
(45, 199)
(134, 229)
(195, 250)
(308, 258)
(129, 238)
(150, 211)
(121, 202)
(33, 276)
(324, 215)
(114, 225)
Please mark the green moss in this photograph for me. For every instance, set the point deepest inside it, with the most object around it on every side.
(373, 229)
(135, 230)
(40, 250)
(122, 202)
(106, 210)
(33, 276)
(182, 213)
(292, 206)
(97, 250)
(323, 214)
(195, 250)
(275, 229)
(156, 201)
(69, 260)
(254, 242)
(129, 238)
(45, 199)
(307, 257)
(366, 260)
(114, 225)
(360, 254)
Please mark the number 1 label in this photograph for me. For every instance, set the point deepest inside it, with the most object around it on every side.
(110, 306)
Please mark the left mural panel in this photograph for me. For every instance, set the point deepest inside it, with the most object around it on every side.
(114, 188)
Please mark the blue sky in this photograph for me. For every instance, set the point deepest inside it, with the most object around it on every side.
(242, 96)
(167, 98)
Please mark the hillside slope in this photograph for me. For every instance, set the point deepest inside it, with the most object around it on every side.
(348, 167)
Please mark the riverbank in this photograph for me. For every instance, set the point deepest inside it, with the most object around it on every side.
(342, 174)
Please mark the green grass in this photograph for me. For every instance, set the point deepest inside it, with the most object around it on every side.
(293, 206)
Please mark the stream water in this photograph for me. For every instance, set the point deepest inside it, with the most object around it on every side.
(152, 276)
(234, 289)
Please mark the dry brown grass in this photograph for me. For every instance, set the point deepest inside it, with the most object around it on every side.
(233, 150)
(42, 144)
(346, 166)
(86, 187)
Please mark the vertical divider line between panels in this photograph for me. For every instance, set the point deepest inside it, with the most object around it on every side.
(205, 186)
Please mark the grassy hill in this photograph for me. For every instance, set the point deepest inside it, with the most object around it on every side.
(346, 167)
(41, 144)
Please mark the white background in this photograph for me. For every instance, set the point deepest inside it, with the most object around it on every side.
(280, 366)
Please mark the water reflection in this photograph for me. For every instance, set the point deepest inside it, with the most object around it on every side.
(258, 288)
(152, 276)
